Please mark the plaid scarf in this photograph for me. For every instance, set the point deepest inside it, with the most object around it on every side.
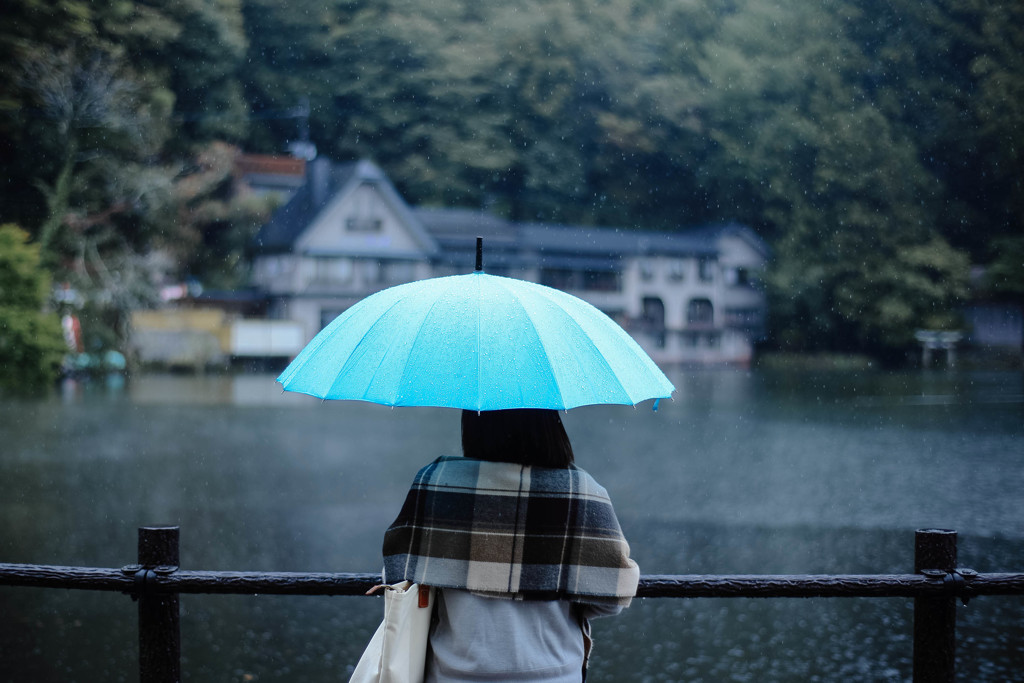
(510, 530)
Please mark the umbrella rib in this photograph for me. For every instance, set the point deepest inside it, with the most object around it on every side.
(310, 350)
(634, 349)
(306, 356)
(590, 342)
(415, 342)
(600, 355)
(362, 341)
(547, 357)
(479, 337)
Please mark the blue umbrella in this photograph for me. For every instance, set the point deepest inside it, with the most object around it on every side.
(478, 342)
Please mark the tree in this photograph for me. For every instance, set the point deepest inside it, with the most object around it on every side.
(1005, 276)
(107, 199)
(513, 105)
(91, 105)
(864, 140)
(840, 188)
(216, 219)
(29, 27)
(31, 346)
(195, 49)
(999, 68)
(304, 51)
(109, 103)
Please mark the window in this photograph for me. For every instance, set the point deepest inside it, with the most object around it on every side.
(706, 269)
(738, 277)
(372, 272)
(327, 316)
(322, 269)
(652, 319)
(363, 224)
(601, 281)
(700, 312)
(332, 269)
(400, 272)
(559, 278)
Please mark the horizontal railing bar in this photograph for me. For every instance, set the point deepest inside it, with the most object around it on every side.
(269, 583)
(651, 586)
(827, 586)
(51, 576)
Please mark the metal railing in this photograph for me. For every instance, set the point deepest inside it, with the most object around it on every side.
(155, 581)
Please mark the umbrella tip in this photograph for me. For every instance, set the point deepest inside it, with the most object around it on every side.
(479, 254)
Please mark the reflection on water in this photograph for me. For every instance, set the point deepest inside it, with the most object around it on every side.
(236, 390)
(741, 473)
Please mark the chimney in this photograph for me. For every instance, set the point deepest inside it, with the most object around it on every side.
(319, 179)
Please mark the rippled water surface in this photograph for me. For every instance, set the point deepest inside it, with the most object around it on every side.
(742, 473)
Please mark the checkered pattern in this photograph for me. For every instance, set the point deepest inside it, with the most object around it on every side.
(510, 530)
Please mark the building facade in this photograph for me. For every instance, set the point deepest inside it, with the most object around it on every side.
(687, 297)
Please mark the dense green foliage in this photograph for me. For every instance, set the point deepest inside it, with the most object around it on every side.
(875, 145)
(31, 346)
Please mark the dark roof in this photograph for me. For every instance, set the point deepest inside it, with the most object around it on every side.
(507, 244)
(456, 224)
(511, 245)
(712, 233)
(457, 228)
(593, 241)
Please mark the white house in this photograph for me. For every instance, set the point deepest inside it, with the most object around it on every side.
(687, 296)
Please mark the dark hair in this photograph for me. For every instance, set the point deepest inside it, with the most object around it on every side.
(527, 436)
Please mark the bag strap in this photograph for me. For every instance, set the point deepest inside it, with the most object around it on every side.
(424, 592)
(588, 640)
(424, 596)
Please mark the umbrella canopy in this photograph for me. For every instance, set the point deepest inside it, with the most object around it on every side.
(478, 342)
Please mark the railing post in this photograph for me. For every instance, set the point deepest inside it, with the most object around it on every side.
(934, 618)
(159, 616)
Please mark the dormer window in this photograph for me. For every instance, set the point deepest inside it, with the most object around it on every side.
(363, 224)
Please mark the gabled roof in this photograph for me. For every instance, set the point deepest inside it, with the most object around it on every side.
(324, 182)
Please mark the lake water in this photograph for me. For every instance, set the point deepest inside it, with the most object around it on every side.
(744, 472)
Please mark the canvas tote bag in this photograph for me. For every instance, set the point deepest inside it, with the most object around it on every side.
(397, 653)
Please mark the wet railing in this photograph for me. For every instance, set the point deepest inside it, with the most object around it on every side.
(156, 581)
